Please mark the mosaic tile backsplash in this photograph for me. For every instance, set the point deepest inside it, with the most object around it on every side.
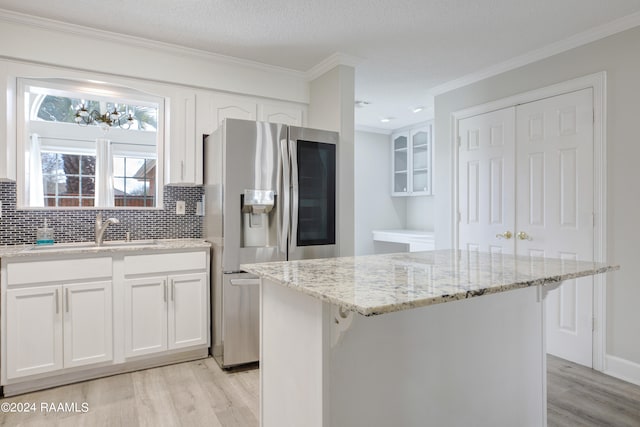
(75, 225)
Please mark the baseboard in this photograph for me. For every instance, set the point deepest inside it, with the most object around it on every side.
(622, 369)
(143, 362)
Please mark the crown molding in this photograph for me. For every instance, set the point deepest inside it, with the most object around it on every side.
(331, 62)
(371, 129)
(174, 49)
(580, 39)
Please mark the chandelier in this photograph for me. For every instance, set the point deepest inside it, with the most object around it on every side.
(114, 118)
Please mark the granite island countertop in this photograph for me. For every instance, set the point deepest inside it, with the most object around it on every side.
(378, 284)
(80, 248)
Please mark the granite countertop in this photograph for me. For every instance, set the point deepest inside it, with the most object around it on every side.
(107, 247)
(378, 284)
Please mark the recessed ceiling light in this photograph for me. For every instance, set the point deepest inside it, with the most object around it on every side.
(361, 104)
(417, 109)
(386, 119)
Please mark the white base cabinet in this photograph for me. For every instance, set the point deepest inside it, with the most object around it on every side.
(66, 318)
(145, 317)
(188, 314)
(34, 331)
(87, 323)
(56, 327)
(165, 313)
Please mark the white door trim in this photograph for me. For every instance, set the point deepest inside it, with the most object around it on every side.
(598, 83)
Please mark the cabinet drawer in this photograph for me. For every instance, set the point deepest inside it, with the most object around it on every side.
(157, 263)
(23, 273)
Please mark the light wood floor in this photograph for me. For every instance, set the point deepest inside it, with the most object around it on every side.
(579, 396)
(201, 394)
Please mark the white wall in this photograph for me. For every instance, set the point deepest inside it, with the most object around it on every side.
(420, 215)
(617, 55)
(47, 42)
(331, 107)
(375, 209)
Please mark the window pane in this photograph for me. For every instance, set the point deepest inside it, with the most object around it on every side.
(52, 185)
(51, 163)
(135, 187)
(71, 164)
(118, 166)
(88, 165)
(88, 186)
(68, 202)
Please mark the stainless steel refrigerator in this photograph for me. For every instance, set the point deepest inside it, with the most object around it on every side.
(270, 195)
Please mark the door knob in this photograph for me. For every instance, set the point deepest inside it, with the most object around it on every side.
(506, 235)
(524, 236)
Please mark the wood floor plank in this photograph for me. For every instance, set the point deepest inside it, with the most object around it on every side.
(199, 393)
(580, 396)
(189, 399)
(153, 400)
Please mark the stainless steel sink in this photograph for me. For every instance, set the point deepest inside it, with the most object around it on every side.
(123, 243)
(63, 247)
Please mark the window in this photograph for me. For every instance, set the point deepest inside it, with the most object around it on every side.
(69, 180)
(134, 181)
(110, 162)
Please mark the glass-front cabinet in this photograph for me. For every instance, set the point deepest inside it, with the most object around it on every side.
(400, 155)
(411, 153)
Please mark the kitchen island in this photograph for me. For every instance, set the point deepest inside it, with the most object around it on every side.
(438, 338)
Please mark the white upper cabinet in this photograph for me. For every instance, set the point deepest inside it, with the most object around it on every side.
(421, 146)
(400, 164)
(7, 127)
(228, 107)
(411, 157)
(213, 108)
(180, 148)
(285, 114)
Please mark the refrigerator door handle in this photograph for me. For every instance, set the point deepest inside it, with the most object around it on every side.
(293, 156)
(244, 282)
(285, 196)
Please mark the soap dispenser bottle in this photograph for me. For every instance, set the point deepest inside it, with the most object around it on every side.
(44, 235)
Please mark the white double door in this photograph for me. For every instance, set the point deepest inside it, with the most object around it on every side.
(526, 187)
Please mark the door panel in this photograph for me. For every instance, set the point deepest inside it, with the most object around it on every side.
(313, 193)
(34, 331)
(188, 315)
(549, 209)
(485, 185)
(88, 334)
(240, 318)
(145, 316)
(555, 208)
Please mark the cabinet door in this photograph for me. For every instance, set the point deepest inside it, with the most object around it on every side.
(180, 157)
(285, 114)
(421, 161)
(88, 336)
(34, 331)
(400, 185)
(232, 107)
(145, 316)
(188, 313)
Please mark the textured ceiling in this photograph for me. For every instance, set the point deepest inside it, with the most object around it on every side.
(406, 47)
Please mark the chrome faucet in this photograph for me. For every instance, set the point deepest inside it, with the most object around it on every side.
(101, 227)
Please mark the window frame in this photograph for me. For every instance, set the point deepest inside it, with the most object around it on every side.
(94, 90)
